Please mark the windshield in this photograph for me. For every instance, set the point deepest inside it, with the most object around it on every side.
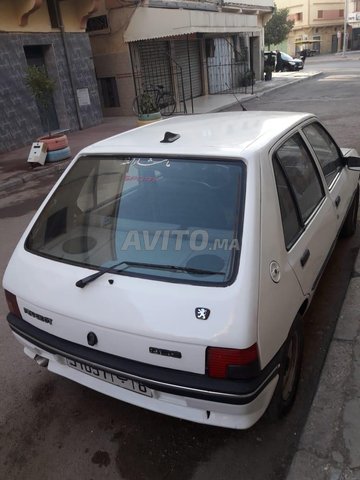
(152, 214)
(287, 57)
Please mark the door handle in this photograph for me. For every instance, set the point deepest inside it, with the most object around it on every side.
(305, 257)
(337, 201)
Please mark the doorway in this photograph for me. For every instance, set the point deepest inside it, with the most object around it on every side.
(334, 44)
(35, 57)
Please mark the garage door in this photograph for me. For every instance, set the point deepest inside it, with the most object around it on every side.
(183, 59)
(155, 63)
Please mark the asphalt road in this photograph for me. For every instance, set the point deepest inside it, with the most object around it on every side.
(54, 429)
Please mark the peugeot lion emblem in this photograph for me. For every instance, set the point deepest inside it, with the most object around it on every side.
(202, 313)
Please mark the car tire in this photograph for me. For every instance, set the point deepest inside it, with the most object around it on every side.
(57, 155)
(289, 372)
(349, 226)
(57, 142)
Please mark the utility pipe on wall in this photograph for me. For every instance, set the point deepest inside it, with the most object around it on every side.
(67, 58)
(345, 26)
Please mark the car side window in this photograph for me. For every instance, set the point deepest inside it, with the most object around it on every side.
(289, 213)
(302, 175)
(325, 149)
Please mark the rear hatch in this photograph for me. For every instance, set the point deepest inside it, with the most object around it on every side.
(139, 251)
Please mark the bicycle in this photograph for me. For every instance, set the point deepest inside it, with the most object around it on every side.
(154, 98)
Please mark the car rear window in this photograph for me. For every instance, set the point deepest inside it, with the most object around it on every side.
(292, 225)
(181, 213)
(326, 151)
(302, 175)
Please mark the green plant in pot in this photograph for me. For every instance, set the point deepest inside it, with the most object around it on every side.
(42, 87)
(247, 78)
(250, 78)
(148, 109)
(268, 69)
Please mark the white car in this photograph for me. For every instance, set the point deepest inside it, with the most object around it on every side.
(170, 266)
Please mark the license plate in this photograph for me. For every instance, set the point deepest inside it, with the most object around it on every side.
(112, 378)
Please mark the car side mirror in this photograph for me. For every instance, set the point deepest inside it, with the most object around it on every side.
(353, 163)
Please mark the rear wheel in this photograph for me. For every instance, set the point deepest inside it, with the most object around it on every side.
(166, 104)
(289, 373)
(349, 226)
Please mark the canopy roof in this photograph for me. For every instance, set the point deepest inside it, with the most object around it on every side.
(149, 23)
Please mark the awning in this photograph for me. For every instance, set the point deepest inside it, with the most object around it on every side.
(148, 23)
(300, 42)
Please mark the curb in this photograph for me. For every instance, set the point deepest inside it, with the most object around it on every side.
(26, 177)
(264, 92)
(296, 80)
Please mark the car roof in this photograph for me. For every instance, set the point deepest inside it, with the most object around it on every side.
(230, 134)
(273, 52)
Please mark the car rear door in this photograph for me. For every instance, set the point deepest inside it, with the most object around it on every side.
(331, 162)
(308, 213)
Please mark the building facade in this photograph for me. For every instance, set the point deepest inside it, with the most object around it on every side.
(191, 48)
(354, 24)
(49, 34)
(318, 26)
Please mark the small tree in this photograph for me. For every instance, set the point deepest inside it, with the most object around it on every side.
(147, 104)
(42, 87)
(278, 27)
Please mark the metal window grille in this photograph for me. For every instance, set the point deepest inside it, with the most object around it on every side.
(97, 23)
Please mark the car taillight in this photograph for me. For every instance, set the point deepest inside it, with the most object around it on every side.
(12, 303)
(232, 362)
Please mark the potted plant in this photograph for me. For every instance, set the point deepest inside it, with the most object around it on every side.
(268, 72)
(148, 111)
(42, 87)
(247, 79)
(250, 78)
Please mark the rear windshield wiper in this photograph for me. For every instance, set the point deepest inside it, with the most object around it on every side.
(90, 278)
(197, 271)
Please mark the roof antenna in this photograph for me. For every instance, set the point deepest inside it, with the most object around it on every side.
(170, 137)
(238, 101)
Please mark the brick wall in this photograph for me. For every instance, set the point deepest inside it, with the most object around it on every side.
(19, 116)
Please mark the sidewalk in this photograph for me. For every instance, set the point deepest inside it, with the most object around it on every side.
(15, 171)
(329, 447)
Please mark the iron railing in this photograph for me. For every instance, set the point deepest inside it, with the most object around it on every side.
(229, 72)
(166, 73)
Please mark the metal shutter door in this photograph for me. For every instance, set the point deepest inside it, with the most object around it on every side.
(181, 58)
(155, 63)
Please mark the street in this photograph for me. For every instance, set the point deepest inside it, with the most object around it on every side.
(55, 429)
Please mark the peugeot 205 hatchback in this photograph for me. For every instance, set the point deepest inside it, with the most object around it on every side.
(170, 266)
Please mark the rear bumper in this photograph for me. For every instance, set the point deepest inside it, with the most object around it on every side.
(195, 397)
